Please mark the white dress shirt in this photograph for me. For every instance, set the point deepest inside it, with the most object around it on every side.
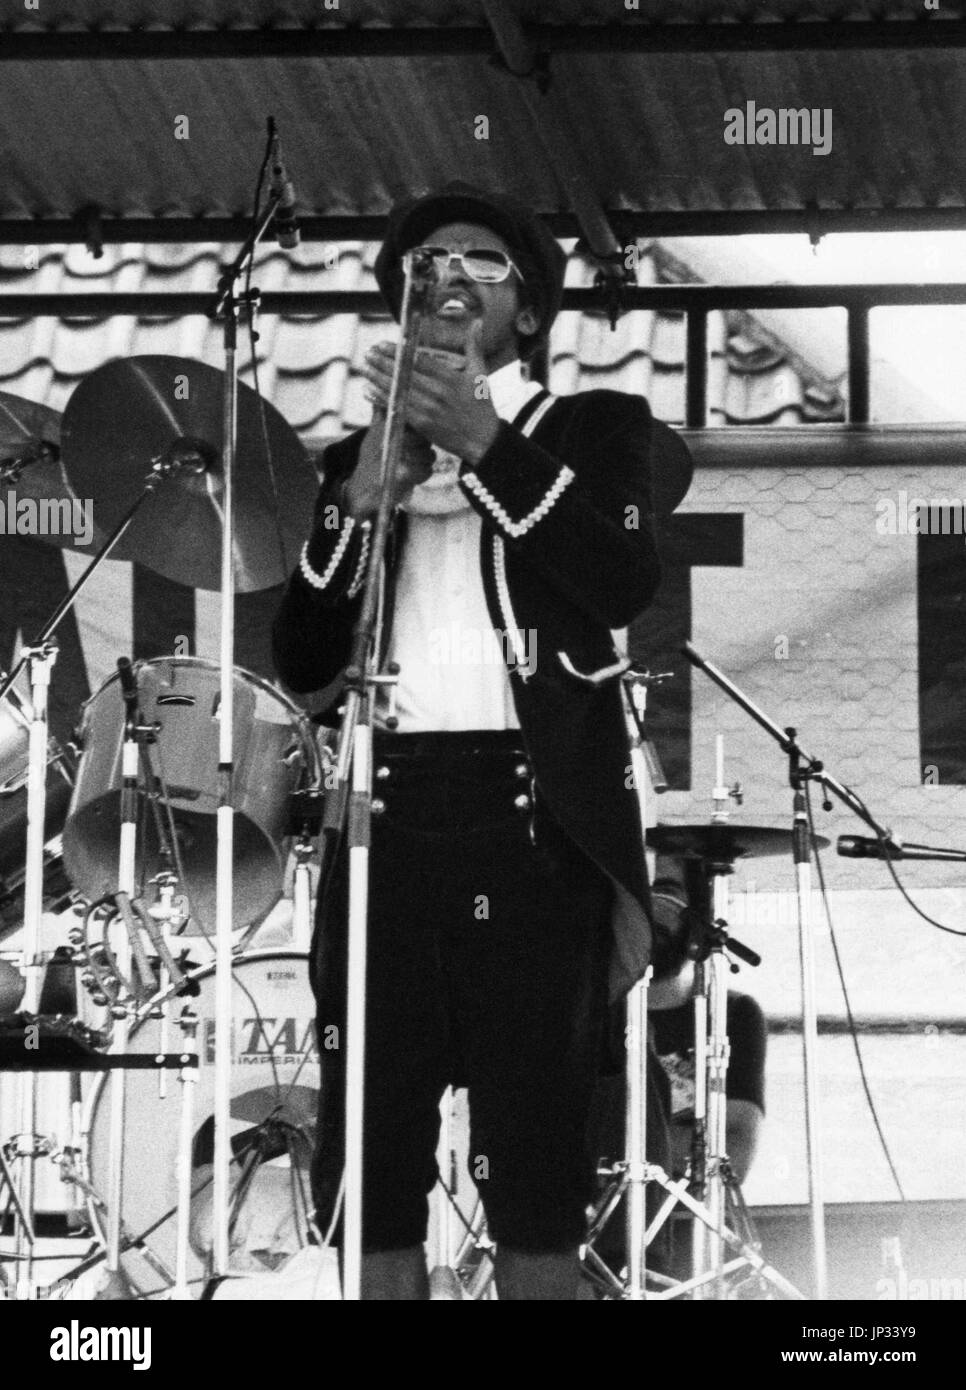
(452, 674)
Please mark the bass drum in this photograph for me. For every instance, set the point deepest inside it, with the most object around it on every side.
(274, 1095)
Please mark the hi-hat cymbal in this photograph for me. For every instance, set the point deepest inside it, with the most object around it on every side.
(724, 841)
(134, 411)
(30, 446)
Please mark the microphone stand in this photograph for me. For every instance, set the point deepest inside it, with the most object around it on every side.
(227, 306)
(354, 755)
(801, 768)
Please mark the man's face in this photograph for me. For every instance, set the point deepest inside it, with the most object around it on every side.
(457, 299)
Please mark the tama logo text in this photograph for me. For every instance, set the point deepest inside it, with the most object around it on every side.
(77, 1343)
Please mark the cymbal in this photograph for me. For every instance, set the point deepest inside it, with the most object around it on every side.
(30, 432)
(133, 411)
(723, 840)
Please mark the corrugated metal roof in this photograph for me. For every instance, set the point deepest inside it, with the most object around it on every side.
(361, 131)
(178, 14)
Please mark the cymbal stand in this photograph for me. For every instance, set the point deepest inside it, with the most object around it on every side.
(635, 686)
(746, 1253)
(711, 1176)
(164, 466)
(631, 1177)
(41, 659)
(709, 1152)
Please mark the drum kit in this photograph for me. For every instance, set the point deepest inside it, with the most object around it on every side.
(140, 783)
(123, 825)
(144, 768)
(191, 787)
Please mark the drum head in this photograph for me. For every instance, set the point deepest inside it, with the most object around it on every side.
(274, 1089)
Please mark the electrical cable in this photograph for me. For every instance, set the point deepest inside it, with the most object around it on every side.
(853, 1030)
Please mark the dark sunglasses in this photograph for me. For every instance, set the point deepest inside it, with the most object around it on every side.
(481, 264)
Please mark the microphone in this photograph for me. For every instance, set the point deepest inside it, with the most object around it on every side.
(129, 689)
(284, 224)
(865, 847)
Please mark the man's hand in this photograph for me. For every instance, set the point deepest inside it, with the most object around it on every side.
(363, 489)
(448, 404)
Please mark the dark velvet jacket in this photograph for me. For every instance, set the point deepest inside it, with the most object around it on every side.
(568, 552)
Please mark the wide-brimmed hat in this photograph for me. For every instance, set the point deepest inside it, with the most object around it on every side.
(531, 244)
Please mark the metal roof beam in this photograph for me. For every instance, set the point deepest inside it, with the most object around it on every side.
(669, 298)
(535, 85)
(629, 36)
(43, 231)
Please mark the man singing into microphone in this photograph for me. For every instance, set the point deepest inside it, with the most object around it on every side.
(508, 896)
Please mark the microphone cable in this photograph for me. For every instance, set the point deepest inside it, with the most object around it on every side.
(853, 1030)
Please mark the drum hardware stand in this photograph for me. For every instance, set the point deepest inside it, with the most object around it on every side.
(135, 733)
(163, 919)
(187, 1077)
(21, 1215)
(41, 659)
(165, 465)
(712, 1181)
(457, 1237)
(72, 1173)
(711, 1048)
(461, 1252)
(630, 1178)
(302, 894)
(45, 451)
(444, 1283)
(802, 768)
(305, 824)
(635, 686)
(354, 753)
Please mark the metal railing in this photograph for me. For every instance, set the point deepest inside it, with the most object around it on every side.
(695, 302)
